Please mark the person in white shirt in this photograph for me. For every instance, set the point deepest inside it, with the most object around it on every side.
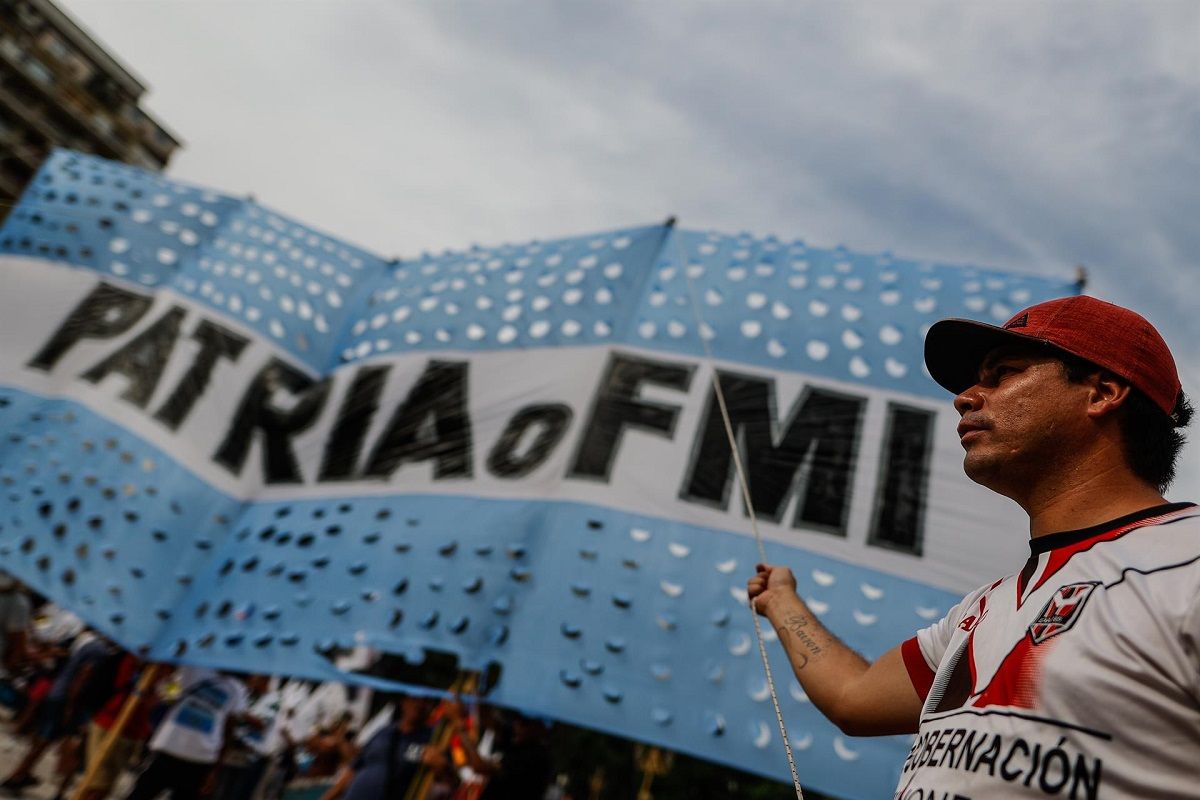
(1078, 675)
(186, 749)
(250, 752)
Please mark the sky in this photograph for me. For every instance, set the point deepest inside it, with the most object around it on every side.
(1018, 135)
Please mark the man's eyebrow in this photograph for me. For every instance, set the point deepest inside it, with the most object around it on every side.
(992, 359)
(1003, 354)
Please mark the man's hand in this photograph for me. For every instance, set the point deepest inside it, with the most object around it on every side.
(435, 757)
(769, 585)
(250, 721)
(455, 712)
(209, 785)
(860, 697)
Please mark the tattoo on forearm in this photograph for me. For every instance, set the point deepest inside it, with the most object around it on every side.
(796, 626)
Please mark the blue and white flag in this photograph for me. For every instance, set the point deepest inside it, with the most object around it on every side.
(232, 440)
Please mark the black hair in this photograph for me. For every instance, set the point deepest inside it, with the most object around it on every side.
(1151, 439)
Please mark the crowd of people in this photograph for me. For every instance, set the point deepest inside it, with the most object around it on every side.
(193, 732)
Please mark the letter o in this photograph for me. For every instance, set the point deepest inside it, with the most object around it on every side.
(505, 462)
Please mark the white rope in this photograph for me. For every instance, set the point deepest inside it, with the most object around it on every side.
(745, 484)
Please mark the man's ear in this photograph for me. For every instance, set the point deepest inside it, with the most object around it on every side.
(1107, 394)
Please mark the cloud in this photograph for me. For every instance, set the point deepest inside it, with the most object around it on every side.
(1032, 136)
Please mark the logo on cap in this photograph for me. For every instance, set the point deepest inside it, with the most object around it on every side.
(1020, 322)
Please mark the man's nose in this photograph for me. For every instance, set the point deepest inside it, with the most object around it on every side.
(968, 400)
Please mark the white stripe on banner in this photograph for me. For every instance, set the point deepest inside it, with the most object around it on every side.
(549, 403)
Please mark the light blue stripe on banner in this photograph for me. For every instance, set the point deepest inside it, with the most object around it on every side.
(617, 621)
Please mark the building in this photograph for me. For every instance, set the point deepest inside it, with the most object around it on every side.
(59, 87)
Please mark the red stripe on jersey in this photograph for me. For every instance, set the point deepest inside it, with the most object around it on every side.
(918, 671)
(1059, 558)
(970, 654)
(1016, 682)
(1023, 578)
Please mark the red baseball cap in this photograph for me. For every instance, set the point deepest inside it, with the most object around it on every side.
(1115, 338)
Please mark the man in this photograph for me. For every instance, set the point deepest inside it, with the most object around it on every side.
(64, 712)
(252, 747)
(186, 750)
(136, 730)
(516, 766)
(1079, 674)
(392, 758)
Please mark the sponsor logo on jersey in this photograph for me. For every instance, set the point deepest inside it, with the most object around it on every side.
(1061, 611)
(971, 621)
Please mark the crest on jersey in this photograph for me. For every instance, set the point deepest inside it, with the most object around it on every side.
(1061, 612)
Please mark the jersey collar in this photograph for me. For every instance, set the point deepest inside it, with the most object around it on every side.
(1053, 541)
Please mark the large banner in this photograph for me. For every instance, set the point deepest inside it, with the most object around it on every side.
(229, 439)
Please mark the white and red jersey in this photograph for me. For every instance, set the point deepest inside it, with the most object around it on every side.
(1078, 677)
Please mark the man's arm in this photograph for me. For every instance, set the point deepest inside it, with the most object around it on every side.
(209, 784)
(475, 760)
(248, 719)
(75, 689)
(345, 777)
(861, 698)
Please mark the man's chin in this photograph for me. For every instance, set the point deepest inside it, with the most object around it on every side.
(981, 469)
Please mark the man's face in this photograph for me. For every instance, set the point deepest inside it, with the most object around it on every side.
(1020, 420)
(413, 709)
(525, 729)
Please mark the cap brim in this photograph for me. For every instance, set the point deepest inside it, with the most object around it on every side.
(954, 349)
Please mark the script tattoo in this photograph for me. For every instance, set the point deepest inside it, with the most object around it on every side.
(795, 626)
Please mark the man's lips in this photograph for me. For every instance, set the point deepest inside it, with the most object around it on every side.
(965, 428)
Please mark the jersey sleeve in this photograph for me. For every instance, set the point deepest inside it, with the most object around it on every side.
(923, 652)
(920, 672)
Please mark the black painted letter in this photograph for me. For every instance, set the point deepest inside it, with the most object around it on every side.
(216, 342)
(431, 423)
(618, 406)
(550, 422)
(899, 518)
(818, 447)
(106, 312)
(258, 412)
(358, 409)
(142, 359)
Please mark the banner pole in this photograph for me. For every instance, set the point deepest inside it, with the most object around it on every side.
(465, 682)
(149, 674)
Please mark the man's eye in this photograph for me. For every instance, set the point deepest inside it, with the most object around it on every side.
(996, 372)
